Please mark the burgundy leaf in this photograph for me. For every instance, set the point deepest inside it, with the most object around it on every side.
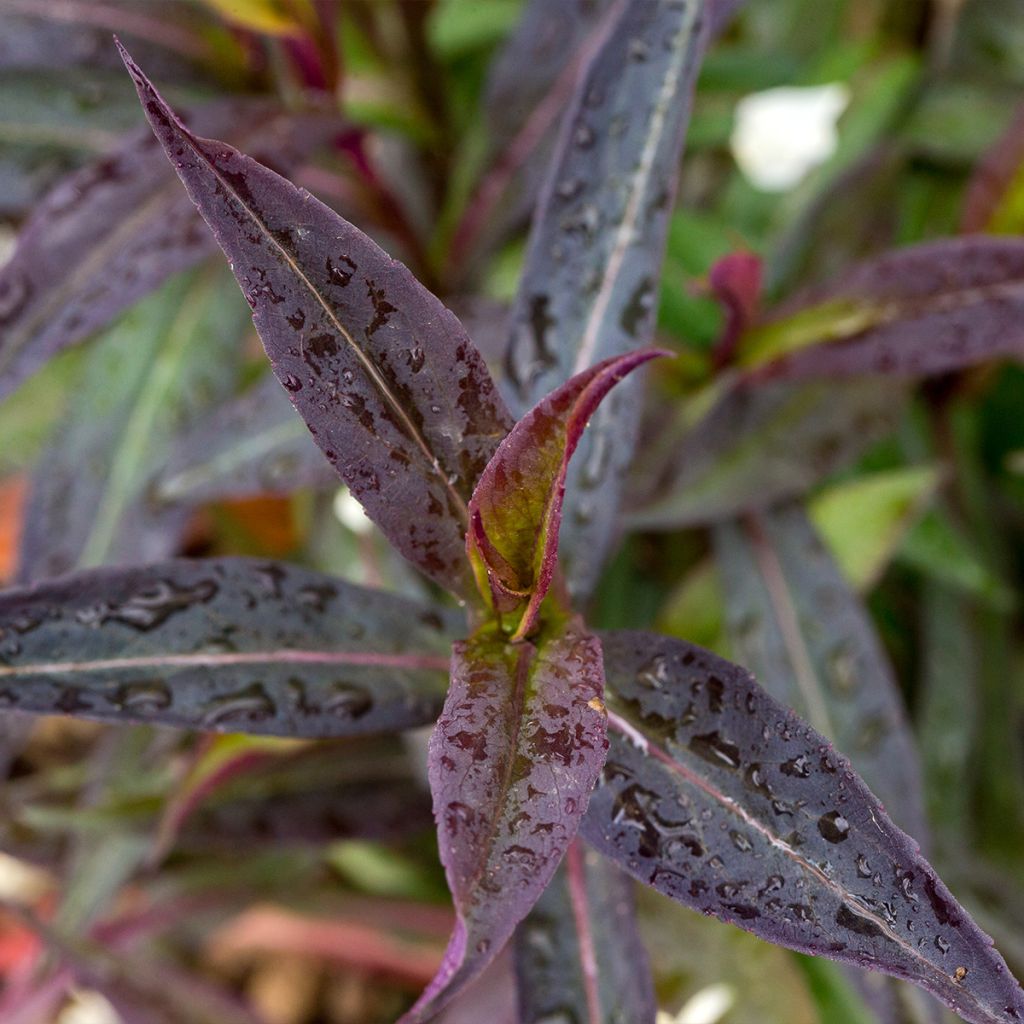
(721, 798)
(589, 285)
(383, 374)
(924, 310)
(516, 509)
(579, 955)
(228, 645)
(736, 281)
(114, 230)
(513, 760)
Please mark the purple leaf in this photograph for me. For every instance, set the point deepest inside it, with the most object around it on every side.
(255, 443)
(114, 230)
(721, 798)
(516, 509)
(228, 645)
(590, 282)
(386, 378)
(756, 445)
(924, 310)
(167, 361)
(579, 955)
(513, 760)
(736, 282)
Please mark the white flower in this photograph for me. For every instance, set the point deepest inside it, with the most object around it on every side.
(781, 134)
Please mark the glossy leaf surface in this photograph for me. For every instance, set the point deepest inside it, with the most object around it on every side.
(166, 362)
(254, 443)
(384, 375)
(924, 310)
(721, 798)
(588, 289)
(579, 955)
(516, 509)
(830, 668)
(228, 645)
(513, 760)
(112, 231)
(756, 445)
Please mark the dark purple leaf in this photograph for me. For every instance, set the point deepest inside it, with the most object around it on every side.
(513, 759)
(924, 310)
(756, 445)
(167, 361)
(112, 231)
(721, 798)
(386, 378)
(228, 645)
(516, 509)
(254, 444)
(590, 282)
(795, 622)
(579, 956)
(736, 282)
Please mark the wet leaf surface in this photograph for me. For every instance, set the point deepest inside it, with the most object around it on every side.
(721, 798)
(516, 509)
(115, 229)
(579, 955)
(386, 378)
(513, 759)
(227, 645)
(923, 310)
(588, 289)
(165, 363)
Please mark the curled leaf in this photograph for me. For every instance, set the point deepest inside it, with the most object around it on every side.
(516, 507)
(721, 798)
(513, 760)
(386, 378)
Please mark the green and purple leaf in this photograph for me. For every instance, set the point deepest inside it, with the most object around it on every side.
(513, 759)
(589, 286)
(831, 669)
(114, 230)
(723, 799)
(913, 312)
(226, 645)
(516, 509)
(386, 378)
(254, 443)
(579, 955)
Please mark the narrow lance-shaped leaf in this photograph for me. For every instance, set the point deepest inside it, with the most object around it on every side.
(579, 955)
(516, 509)
(383, 374)
(589, 285)
(167, 361)
(829, 667)
(230, 645)
(114, 230)
(721, 798)
(255, 443)
(513, 760)
(927, 309)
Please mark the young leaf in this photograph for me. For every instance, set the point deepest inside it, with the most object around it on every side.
(589, 284)
(928, 309)
(386, 378)
(516, 509)
(756, 445)
(167, 361)
(111, 232)
(253, 444)
(579, 955)
(513, 759)
(229, 645)
(719, 797)
(829, 667)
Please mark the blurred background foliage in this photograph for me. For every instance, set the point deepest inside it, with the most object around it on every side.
(303, 878)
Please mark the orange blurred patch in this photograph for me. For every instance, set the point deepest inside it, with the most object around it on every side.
(12, 504)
